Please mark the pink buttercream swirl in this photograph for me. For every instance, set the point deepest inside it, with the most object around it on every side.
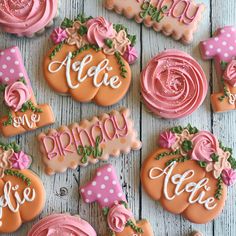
(20, 160)
(130, 54)
(167, 139)
(16, 95)
(26, 17)
(58, 35)
(204, 145)
(117, 217)
(230, 73)
(173, 84)
(99, 29)
(229, 176)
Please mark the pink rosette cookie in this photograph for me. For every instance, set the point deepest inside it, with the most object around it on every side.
(27, 17)
(62, 224)
(173, 84)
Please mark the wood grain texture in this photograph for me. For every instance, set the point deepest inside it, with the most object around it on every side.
(149, 43)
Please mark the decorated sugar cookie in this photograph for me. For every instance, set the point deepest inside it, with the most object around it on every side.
(173, 84)
(88, 141)
(27, 17)
(21, 191)
(189, 173)
(178, 18)
(22, 111)
(62, 224)
(222, 48)
(105, 189)
(90, 60)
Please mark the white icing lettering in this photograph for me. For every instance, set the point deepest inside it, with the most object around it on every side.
(24, 120)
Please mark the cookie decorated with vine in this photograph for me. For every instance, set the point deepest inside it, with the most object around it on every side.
(189, 173)
(90, 60)
(21, 190)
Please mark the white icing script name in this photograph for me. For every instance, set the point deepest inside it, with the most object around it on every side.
(18, 121)
(192, 187)
(232, 98)
(10, 193)
(93, 72)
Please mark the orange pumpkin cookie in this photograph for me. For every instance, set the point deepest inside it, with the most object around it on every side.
(23, 112)
(22, 192)
(90, 60)
(189, 173)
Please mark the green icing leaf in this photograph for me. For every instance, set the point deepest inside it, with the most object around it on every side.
(202, 164)
(30, 106)
(82, 30)
(105, 211)
(2, 87)
(191, 129)
(177, 129)
(67, 23)
(223, 65)
(214, 157)
(108, 42)
(9, 146)
(82, 18)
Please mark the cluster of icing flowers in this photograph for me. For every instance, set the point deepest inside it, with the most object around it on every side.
(204, 147)
(230, 73)
(97, 31)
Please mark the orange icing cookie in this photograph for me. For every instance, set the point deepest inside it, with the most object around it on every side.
(90, 60)
(88, 142)
(176, 18)
(21, 191)
(189, 173)
(23, 112)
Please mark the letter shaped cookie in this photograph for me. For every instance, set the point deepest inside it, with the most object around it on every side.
(107, 192)
(222, 48)
(23, 112)
(176, 18)
(189, 173)
(22, 193)
(90, 60)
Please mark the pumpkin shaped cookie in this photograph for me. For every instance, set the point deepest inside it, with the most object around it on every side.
(90, 60)
(22, 192)
(189, 173)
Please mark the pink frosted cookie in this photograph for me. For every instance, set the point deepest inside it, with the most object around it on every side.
(88, 142)
(105, 189)
(27, 17)
(222, 48)
(62, 225)
(178, 18)
(23, 112)
(173, 84)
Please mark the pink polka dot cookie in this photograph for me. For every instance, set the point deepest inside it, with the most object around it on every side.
(24, 114)
(222, 49)
(106, 190)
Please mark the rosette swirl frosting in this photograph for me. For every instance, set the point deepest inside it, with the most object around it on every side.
(173, 84)
(26, 17)
(62, 224)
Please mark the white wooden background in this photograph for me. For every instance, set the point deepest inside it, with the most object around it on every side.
(218, 13)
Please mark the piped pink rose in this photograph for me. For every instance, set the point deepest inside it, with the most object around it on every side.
(58, 35)
(117, 217)
(230, 73)
(20, 160)
(204, 145)
(99, 29)
(16, 95)
(229, 176)
(130, 54)
(167, 139)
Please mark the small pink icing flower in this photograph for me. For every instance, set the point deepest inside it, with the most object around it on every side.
(20, 160)
(204, 145)
(117, 217)
(229, 176)
(230, 73)
(58, 35)
(167, 139)
(16, 95)
(99, 29)
(130, 54)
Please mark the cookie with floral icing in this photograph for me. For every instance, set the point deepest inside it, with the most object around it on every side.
(173, 84)
(189, 173)
(178, 18)
(22, 111)
(27, 17)
(105, 189)
(90, 60)
(22, 192)
(222, 48)
(62, 224)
